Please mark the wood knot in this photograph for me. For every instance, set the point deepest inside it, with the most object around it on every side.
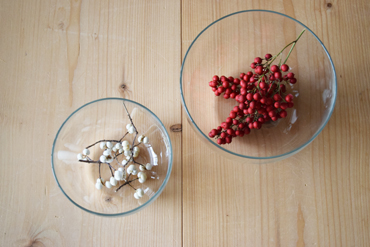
(122, 88)
(108, 199)
(176, 128)
(329, 5)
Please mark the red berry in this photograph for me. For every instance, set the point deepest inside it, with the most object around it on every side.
(268, 56)
(219, 128)
(272, 114)
(221, 89)
(225, 84)
(250, 125)
(258, 60)
(235, 122)
(228, 91)
(241, 75)
(277, 105)
(242, 106)
(228, 139)
(252, 105)
(269, 101)
(228, 120)
(230, 78)
(290, 104)
(249, 96)
(223, 135)
(247, 131)
(257, 125)
(241, 126)
(277, 75)
(241, 99)
(282, 88)
(283, 114)
(270, 108)
(249, 74)
(237, 132)
(236, 109)
(259, 70)
(283, 106)
(233, 87)
(233, 95)
(290, 75)
(243, 91)
(256, 96)
(236, 81)
(250, 110)
(274, 119)
(253, 65)
(284, 67)
(289, 98)
(215, 78)
(263, 85)
(226, 96)
(223, 78)
(261, 120)
(263, 100)
(277, 97)
(272, 78)
(219, 141)
(293, 80)
(230, 131)
(274, 68)
(217, 93)
(214, 89)
(245, 111)
(248, 119)
(246, 78)
(243, 84)
(252, 79)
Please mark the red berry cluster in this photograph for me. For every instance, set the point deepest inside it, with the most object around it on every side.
(261, 98)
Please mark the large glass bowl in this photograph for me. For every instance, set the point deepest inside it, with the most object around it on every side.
(227, 47)
(106, 119)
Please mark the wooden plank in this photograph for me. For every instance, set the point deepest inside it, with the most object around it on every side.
(56, 56)
(319, 197)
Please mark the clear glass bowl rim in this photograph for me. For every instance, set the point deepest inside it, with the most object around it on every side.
(147, 202)
(252, 157)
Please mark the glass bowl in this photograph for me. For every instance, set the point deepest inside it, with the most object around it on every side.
(106, 119)
(227, 47)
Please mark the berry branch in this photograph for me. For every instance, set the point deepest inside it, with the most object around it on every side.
(261, 96)
(112, 149)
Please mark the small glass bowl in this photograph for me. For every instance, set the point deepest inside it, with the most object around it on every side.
(106, 119)
(227, 47)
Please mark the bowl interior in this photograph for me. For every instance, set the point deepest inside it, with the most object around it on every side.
(106, 119)
(228, 47)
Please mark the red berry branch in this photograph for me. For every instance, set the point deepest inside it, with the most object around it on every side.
(261, 95)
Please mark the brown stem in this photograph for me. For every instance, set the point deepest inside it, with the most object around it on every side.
(128, 182)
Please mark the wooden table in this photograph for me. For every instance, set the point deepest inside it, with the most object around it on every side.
(57, 55)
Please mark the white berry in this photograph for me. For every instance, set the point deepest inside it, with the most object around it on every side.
(142, 177)
(108, 185)
(128, 126)
(127, 153)
(121, 169)
(124, 162)
(99, 186)
(103, 159)
(102, 145)
(142, 168)
(109, 145)
(131, 130)
(148, 166)
(86, 151)
(136, 196)
(140, 192)
(113, 181)
(140, 138)
(114, 149)
(145, 140)
(120, 151)
(107, 152)
(80, 156)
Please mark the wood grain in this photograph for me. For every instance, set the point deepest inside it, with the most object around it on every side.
(319, 197)
(57, 55)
